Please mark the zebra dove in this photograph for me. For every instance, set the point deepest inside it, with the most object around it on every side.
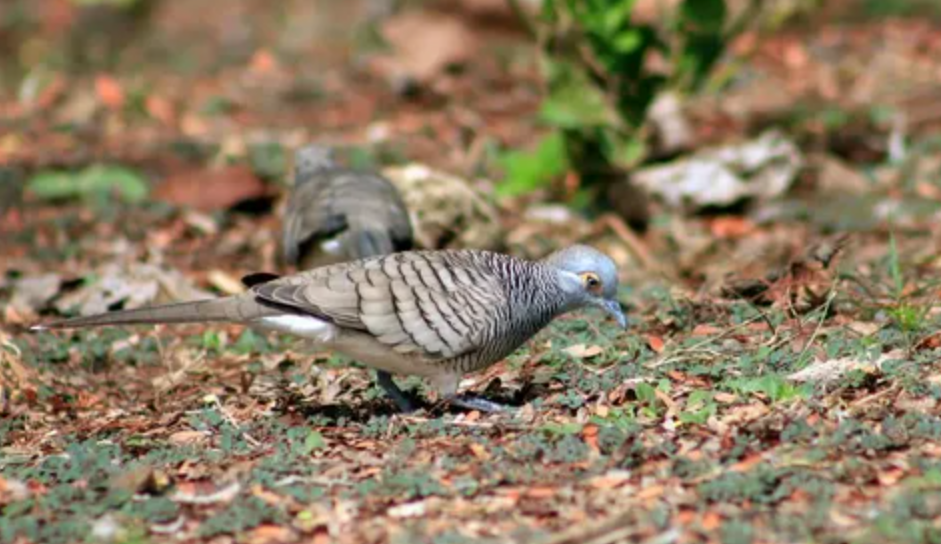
(336, 214)
(435, 314)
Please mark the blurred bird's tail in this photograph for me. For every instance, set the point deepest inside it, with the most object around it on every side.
(365, 243)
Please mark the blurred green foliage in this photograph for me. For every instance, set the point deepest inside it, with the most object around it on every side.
(96, 183)
(526, 171)
(603, 70)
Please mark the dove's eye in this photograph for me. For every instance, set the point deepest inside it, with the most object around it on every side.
(592, 282)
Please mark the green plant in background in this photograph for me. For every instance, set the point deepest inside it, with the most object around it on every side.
(603, 72)
(96, 183)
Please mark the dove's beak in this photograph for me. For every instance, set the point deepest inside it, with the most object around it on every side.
(613, 308)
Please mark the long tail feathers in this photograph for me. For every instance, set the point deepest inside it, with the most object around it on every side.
(237, 309)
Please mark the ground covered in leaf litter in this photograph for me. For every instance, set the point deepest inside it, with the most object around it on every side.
(780, 383)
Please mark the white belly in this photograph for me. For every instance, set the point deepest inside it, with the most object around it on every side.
(304, 326)
(358, 346)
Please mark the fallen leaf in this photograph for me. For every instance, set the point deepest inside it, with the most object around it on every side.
(725, 398)
(160, 109)
(479, 451)
(655, 343)
(590, 436)
(408, 510)
(35, 292)
(133, 285)
(267, 496)
(109, 91)
(711, 521)
(890, 477)
(731, 227)
(13, 491)
(183, 438)
(747, 463)
(263, 62)
(540, 492)
(211, 189)
(610, 480)
(829, 371)
(192, 493)
(581, 351)
(225, 282)
(685, 517)
(676, 375)
(651, 492)
(269, 534)
(704, 329)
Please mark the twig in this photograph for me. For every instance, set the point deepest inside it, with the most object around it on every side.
(633, 242)
(741, 23)
(695, 347)
(823, 317)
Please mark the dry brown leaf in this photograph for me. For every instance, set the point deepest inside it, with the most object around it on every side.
(160, 109)
(711, 521)
(704, 329)
(541, 492)
(263, 62)
(651, 492)
(183, 438)
(725, 398)
(211, 189)
(747, 463)
(610, 480)
(590, 436)
(225, 282)
(109, 92)
(479, 451)
(269, 534)
(582, 351)
(267, 496)
(201, 494)
(731, 227)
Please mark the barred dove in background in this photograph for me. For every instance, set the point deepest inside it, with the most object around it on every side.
(436, 314)
(336, 214)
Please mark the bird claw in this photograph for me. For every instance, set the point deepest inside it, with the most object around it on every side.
(470, 402)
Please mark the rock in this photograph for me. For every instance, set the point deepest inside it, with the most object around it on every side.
(446, 212)
(762, 168)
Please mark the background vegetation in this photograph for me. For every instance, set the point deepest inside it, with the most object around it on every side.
(767, 174)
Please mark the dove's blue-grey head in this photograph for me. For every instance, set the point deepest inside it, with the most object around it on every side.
(590, 278)
(310, 160)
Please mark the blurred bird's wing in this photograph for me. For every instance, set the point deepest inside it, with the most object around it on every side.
(362, 210)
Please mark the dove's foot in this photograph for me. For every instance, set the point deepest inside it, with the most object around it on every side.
(470, 402)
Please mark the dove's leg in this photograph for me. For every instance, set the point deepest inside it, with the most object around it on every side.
(401, 399)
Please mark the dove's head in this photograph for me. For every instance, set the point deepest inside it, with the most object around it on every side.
(312, 159)
(590, 278)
